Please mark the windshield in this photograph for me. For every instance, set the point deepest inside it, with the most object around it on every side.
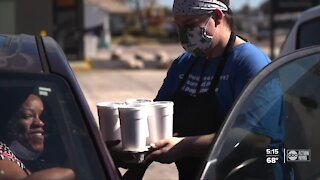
(272, 131)
(58, 137)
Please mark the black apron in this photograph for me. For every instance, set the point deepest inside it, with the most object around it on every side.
(195, 115)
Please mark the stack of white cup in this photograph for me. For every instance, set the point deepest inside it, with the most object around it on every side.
(144, 104)
(160, 120)
(133, 120)
(109, 121)
(141, 121)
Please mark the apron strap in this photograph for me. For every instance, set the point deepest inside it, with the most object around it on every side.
(219, 71)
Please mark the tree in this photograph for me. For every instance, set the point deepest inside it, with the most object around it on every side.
(266, 7)
(138, 4)
(245, 9)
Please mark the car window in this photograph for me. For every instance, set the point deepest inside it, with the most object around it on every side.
(308, 33)
(271, 132)
(19, 53)
(67, 141)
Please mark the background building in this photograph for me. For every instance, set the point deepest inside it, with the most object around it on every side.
(60, 19)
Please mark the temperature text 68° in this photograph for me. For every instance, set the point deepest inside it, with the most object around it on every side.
(272, 160)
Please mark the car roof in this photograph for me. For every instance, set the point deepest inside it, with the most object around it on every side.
(290, 43)
(309, 14)
(19, 53)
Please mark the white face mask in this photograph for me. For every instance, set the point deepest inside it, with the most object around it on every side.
(21, 152)
(195, 40)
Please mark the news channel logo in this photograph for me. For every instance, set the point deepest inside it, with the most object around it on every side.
(298, 155)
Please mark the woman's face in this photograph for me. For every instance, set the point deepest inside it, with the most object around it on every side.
(30, 132)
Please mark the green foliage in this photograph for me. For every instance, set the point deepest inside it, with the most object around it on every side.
(266, 7)
(155, 31)
(134, 31)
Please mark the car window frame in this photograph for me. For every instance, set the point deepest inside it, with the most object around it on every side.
(78, 107)
(58, 65)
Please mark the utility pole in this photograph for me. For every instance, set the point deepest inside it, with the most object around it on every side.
(272, 29)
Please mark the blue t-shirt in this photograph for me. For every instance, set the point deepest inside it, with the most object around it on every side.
(263, 113)
(244, 61)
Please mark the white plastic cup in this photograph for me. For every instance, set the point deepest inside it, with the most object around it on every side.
(133, 119)
(109, 121)
(141, 102)
(160, 120)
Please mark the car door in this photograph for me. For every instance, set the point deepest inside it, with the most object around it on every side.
(272, 131)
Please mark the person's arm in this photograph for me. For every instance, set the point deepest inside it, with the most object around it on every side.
(170, 150)
(52, 173)
(173, 78)
(167, 88)
(10, 170)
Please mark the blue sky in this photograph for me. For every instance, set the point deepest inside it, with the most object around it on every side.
(235, 4)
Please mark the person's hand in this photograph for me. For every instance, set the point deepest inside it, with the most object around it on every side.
(166, 150)
(11, 170)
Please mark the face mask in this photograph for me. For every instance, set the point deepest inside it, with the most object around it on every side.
(195, 40)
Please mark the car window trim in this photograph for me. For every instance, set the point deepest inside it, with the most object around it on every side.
(42, 54)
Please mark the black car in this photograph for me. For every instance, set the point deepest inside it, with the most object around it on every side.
(72, 138)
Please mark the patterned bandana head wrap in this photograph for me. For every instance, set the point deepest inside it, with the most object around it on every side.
(197, 7)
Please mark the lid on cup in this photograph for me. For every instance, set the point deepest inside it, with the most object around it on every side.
(131, 107)
(162, 103)
(138, 101)
(134, 111)
(162, 107)
(110, 104)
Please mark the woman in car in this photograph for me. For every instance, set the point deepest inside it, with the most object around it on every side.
(24, 141)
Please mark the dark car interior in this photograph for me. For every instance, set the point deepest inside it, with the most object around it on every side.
(65, 132)
(301, 122)
(54, 152)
